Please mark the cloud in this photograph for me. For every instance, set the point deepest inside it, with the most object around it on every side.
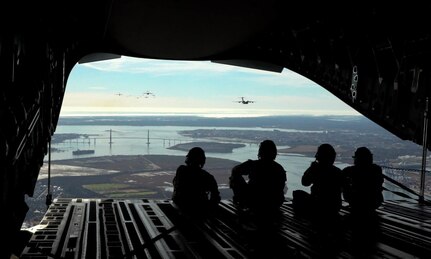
(166, 67)
(92, 102)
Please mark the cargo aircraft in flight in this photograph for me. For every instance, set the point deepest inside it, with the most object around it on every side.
(244, 101)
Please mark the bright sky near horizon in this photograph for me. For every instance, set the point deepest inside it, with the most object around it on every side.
(192, 88)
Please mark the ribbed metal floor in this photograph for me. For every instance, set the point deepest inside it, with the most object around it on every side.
(97, 228)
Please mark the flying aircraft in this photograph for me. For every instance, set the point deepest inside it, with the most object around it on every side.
(119, 94)
(244, 101)
(148, 94)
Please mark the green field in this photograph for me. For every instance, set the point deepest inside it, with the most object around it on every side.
(118, 190)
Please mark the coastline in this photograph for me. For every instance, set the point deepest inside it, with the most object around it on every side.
(208, 147)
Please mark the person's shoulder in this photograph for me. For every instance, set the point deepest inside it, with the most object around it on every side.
(337, 170)
(244, 167)
(376, 167)
(182, 168)
(278, 166)
(207, 175)
(250, 162)
(245, 163)
(348, 169)
(205, 172)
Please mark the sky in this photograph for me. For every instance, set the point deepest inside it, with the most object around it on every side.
(192, 88)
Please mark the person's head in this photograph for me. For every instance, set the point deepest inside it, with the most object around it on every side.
(325, 154)
(267, 150)
(196, 157)
(363, 156)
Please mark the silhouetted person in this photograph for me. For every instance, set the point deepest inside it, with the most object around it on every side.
(326, 182)
(261, 197)
(264, 190)
(322, 205)
(363, 186)
(363, 183)
(195, 190)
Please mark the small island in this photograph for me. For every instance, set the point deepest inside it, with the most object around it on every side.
(307, 150)
(209, 147)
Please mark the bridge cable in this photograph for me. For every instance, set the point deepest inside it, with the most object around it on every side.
(424, 154)
(48, 200)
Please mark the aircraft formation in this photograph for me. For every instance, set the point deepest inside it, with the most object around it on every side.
(146, 94)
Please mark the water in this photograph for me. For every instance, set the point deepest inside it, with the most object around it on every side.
(132, 140)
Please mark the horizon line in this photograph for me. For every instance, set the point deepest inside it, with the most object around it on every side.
(202, 115)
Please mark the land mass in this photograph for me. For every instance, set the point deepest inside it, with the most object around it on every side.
(119, 176)
(209, 147)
